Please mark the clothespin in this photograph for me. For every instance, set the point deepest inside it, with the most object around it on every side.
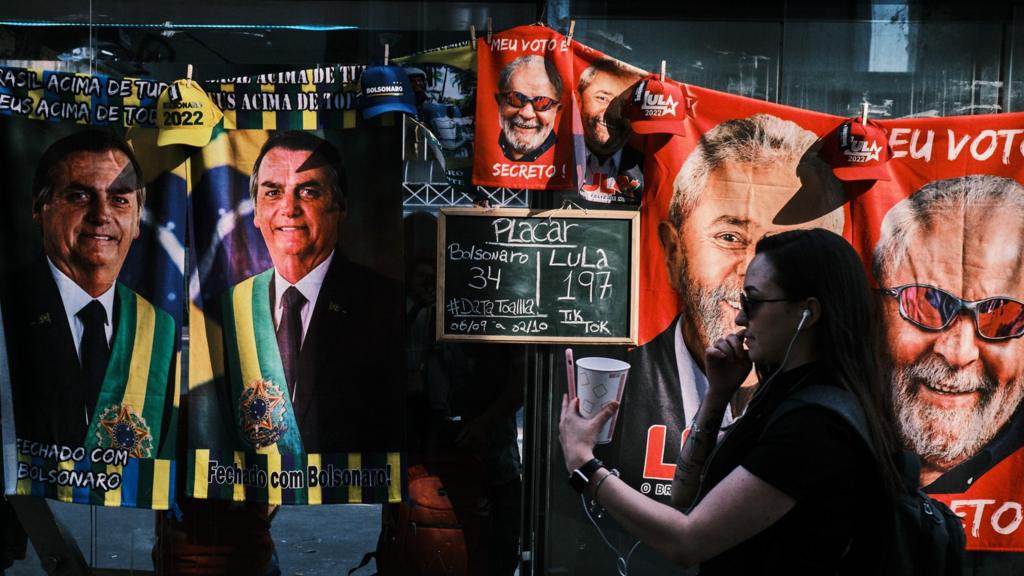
(662, 70)
(472, 37)
(387, 50)
(489, 30)
(864, 112)
(572, 27)
(188, 76)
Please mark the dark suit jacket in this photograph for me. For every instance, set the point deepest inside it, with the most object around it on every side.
(47, 381)
(46, 378)
(352, 364)
(652, 399)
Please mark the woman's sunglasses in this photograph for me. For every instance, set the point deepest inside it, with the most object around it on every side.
(519, 100)
(750, 306)
(932, 308)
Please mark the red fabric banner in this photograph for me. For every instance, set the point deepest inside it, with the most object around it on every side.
(991, 507)
(524, 110)
(942, 238)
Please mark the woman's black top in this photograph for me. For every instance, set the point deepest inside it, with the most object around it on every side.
(813, 455)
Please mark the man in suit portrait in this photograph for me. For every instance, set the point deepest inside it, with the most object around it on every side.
(76, 336)
(314, 344)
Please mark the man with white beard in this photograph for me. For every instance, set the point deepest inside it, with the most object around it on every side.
(529, 100)
(747, 177)
(949, 262)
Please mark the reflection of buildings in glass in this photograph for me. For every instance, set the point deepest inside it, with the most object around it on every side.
(453, 131)
(441, 96)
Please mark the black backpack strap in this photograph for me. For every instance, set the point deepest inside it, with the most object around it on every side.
(838, 400)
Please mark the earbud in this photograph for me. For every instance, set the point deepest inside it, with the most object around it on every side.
(803, 318)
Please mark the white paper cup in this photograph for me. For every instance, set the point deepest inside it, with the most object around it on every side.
(598, 382)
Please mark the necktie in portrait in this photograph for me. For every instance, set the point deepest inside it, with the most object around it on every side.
(289, 335)
(94, 351)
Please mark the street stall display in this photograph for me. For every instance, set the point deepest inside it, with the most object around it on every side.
(296, 396)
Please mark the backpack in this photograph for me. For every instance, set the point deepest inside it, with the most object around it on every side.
(927, 538)
(438, 530)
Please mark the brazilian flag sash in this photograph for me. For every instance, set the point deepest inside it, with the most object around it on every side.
(262, 406)
(130, 411)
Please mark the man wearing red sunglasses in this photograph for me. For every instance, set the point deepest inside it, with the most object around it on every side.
(529, 94)
(949, 266)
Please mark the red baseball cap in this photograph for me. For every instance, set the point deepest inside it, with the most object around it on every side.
(656, 107)
(857, 151)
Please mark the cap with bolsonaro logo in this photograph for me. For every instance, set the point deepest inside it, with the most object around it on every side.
(185, 115)
(857, 151)
(656, 107)
(385, 89)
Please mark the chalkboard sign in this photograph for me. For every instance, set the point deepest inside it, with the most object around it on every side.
(551, 276)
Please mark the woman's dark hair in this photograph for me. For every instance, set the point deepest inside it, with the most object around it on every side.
(820, 264)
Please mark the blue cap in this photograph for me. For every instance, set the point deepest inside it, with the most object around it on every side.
(385, 89)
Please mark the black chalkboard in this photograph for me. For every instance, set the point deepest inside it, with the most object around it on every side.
(551, 276)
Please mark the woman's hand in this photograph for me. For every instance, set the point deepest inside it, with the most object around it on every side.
(578, 434)
(727, 364)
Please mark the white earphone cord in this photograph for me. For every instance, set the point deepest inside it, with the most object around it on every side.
(621, 564)
(803, 318)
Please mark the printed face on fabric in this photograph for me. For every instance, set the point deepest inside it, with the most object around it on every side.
(604, 132)
(957, 374)
(772, 320)
(296, 211)
(528, 107)
(708, 255)
(92, 215)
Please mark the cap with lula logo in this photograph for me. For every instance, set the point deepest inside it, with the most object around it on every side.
(185, 115)
(857, 151)
(385, 89)
(656, 106)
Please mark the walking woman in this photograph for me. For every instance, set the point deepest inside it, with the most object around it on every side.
(782, 495)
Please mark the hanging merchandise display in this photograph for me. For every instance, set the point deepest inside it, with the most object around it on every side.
(92, 288)
(295, 370)
(296, 381)
(610, 163)
(524, 129)
(288, 307)
(385, 89)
